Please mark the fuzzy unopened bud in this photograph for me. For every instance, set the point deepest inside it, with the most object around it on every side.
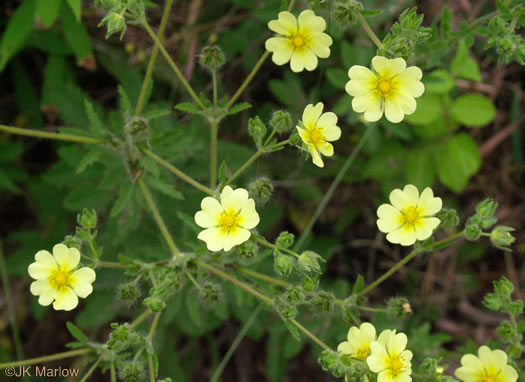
(115, 23)
(71, 241)
(137, 129)
(87, 219)
(323, 302)
(285, 240)
(399, 308)
(131, 371)
(449, 218)
(212, 57)
(281, 122)
(210, 293)
(309, 262)
(257, 130)
(128, 293)
(346, 12)
(502, 238)
(248, 249)
(261, 190)
(154, 304)
(283, 264)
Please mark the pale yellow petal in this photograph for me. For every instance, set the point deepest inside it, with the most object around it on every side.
(320, 44)
(361, 73)
(39, 271)
(466, 374)
(405, 236)
(405, 101)
(45, 290)
(213, 238)
(316, 157)
(310, 60)
(492, 359)
(389, 218)
(332, 133)
(325, 148)
(281, 48)
(366, 102)
(67, 258)
(472, 362)
(393, 111)
(408, 197)
(302, 133)
(397, 343)
(327, 119)
(81, 281)
(297, 62)
(357, 88)
(308, 22)
(368, 331)
(65, 299)
(509, 374)
(240, 236)
(345, 348)
(425, 227)
(428, 204)
(388, 67)
(407, 355)
(250, 217)
(235, 200)
(312, 113)
(286, 24)
(412, 73)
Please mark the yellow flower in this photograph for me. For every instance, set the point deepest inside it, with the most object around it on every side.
(390, 89)
(317, 130)
(227, 222)
(410, 217)
(301, 40)
(359, 341)
(389, 357)
(488, 366)
(57, 280)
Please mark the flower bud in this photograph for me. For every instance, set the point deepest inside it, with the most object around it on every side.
(122, 337)
(281, 122)
(309, 262)
(132, 371)
(106, 4)
(449, 218)
(285, 309)
(309, 284)
(399, 308)
(88, 219)
(137, 129)
(345, 12)
(294, 295)
(261, 190)
(283, 264)
(323, 302)
(154, 304)
(212, 57)
(248, 249)
(486, 208)
(72, 242)
(501, 237)
(210, 293)
(128, 293)
(115, 23)
(472, 232)
(295, 139)
(285, 240)
(257, 130)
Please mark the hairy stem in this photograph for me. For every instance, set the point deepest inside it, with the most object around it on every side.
(48, 135)
(266, 243)
(173, 65)
(158, 219)
(311, 335)
(214, 85)
(214, 126)
(332, 188)
(369, 31)
(150, 338)
(91, 370)
(47, 358)
(179, 173)
(153, 58)
(263, 277)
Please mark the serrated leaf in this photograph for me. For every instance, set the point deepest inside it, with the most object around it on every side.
(188, 107)
(75, 34)
(95, 124)
(76, 332)
(293, 330)
(473, 110)
(151, 165)
(238, 108)
(165, 188)
(124, 102)
(156, 113)
(123, 199)
(91, 157)
(371, 12)
(18, 29)
(446, 21)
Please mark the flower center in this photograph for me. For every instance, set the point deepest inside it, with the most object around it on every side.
(489, 376)
(59, 279)
(228, 220)
(363, 352)
(384, 86)
(314, 135)
(410, 215)
(298, 41)
(396, 365)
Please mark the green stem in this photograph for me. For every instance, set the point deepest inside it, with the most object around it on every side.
(263, 277)
(153, 58)
(47, 358)
(158, 219)
(370, 309)
(113, 372)
(173, 65)
(45, 134)
(235, 344)
(213, 153)
(311, 335)
(150, 338)
(406, 259)
(266, 243)
(332, 188)
(91, 370)
(214, 84)
(137, 321)
(369, 31)
(108, 264)
(10, 306)
(179, 173)
(192, 279)
(247, 164)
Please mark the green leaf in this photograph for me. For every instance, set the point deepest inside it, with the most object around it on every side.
(419, 167)
(188, 107)
(337, 77)
(446, 21)
(463, 66)
(459, 158)
(439, 81)
(192, 306)
(91, 157)
(429, 108)
(95, 124)
(293, 330)
(371, 12)
(47, 11)
(124, 102)
(238, 108)
(439, 127)
(126, 191)
(76, 8)
(76, 332)
(26, 94)
(473, 110)
(156, 113)
(7, 184)
(18, 29)
(165, 188)
(76, 34)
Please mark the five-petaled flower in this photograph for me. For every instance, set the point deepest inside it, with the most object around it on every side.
(359, 341)
(317, 130)
(57, 280)
(488, 366)
(389, 357)
(301, 40)
(391, 89)
(227, 222)
(410, 215)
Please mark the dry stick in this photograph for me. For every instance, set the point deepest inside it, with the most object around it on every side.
(153, 58)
